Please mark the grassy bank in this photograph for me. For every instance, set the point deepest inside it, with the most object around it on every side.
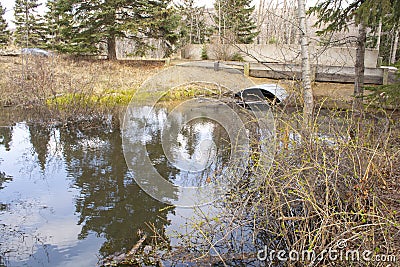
(68, 85)
(67, 89)
(30, 79)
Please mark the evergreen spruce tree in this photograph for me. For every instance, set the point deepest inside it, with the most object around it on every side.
(234, 20)
(29, 25)
(89, 27)
(194, 29)
(4, 33)
(60, 28)
(166, 21)
(53, 19)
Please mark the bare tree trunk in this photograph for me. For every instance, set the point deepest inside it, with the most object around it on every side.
(260, 19)
(379, 33)
(360, 67)
(308, 110)
(219, 21)
(191, 29)
(111, 48)
(395, 45)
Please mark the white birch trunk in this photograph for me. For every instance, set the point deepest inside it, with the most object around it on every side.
(395, 45)
(308, 110)
(379, 33)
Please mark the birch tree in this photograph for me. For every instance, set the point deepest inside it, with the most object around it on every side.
(194, 28)
(395, 46)
(308, 109)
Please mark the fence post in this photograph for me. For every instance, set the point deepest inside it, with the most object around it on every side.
(385, 80)
(247, 69)
(216, 66)
(380, 60)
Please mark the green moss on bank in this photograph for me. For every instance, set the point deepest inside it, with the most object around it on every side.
(112, 98)
(107, 99)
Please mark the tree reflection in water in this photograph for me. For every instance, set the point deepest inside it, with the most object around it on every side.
(6, 137)
(110, 203)
(108, 206)
(40, 138)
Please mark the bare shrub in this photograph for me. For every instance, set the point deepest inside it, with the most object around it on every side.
(326, 185)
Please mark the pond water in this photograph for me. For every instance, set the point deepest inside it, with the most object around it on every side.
(67, 197)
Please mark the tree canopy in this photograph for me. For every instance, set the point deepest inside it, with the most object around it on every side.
(193, 28)
(4, 33)
(234, 20)
(30, 31)
(91, 26)
(336, 15)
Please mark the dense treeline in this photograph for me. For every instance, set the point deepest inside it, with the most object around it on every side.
(90, 27)
(93, 27)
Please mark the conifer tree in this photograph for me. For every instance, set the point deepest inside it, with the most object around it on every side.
(234, 20)
(194, 29)
(64, 30)
(93, 26)
(55, 23)
(4, 33)
(164, 27)
(29, 25)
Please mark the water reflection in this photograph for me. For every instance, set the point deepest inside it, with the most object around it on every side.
(109, 202)
(39, 136)
(74, 201)
(6, 137)
(67, 197)
(178, 156)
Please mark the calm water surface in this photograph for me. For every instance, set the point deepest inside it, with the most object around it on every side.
(67, 197)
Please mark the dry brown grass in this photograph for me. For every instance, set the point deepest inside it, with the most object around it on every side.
(30, 80)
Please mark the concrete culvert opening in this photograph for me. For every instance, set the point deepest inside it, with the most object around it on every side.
(273, 93)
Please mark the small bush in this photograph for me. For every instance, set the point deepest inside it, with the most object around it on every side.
(385, 96)
(237, 57)
(204, 53)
